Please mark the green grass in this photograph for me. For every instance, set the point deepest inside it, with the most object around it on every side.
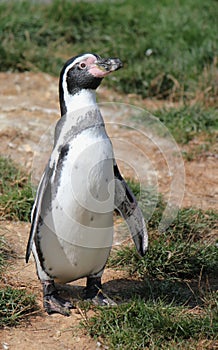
(185, 250)
(15, 305)
(173, 301)
(5, 253)
(170, 300)
(206, 146)
(182, 36)
(16, 195)
(140, 325)
(185, 123)
(169, 260)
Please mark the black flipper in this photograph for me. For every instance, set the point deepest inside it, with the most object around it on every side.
(126, 204)
(35, 215)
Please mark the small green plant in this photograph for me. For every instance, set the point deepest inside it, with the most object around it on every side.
(207, 146)
(169, 260)
(152, 325)
(186, 122)
(6, 253)
(14, 306)
(184, 250)
(16, 197)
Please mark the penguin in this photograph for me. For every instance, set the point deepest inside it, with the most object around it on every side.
(71, 231)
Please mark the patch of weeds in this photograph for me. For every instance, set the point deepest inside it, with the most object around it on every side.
(172, 291)
(6, 253)
(179, 252)
(177, 309)
(140, 325)
(168, 260)
(171, 55)
(211, 301)
(190, 224)
(16, 195)
(2, 253)
(204, 147)
(186, 122)
(186, 249)
(175, 283)
(14, 306)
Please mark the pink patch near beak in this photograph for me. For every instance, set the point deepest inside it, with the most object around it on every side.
(98, 72)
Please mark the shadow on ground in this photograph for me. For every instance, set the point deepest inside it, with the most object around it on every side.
(175, 292)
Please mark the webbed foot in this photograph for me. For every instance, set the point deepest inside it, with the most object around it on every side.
(94, 293)
(52, 302)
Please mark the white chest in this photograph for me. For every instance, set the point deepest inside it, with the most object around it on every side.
(77, 233)
(82, 209)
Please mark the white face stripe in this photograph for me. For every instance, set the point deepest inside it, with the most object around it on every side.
(64, 81)
(81, 58)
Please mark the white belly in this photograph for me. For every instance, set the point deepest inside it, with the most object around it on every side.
(77, 233)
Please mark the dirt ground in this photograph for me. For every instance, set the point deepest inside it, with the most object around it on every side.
(28, 111)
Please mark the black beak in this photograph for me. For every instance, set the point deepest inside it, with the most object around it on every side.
(109, 64)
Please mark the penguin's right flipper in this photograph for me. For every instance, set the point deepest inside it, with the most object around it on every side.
(126, 204)
(36, 211)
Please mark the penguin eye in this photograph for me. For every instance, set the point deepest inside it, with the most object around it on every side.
(82, 65)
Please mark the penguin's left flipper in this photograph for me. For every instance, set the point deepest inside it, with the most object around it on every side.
(126, 204)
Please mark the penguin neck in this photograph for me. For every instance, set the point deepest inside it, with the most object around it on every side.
(85, 98)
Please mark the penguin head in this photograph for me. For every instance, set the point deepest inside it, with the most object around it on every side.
(85, 72)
